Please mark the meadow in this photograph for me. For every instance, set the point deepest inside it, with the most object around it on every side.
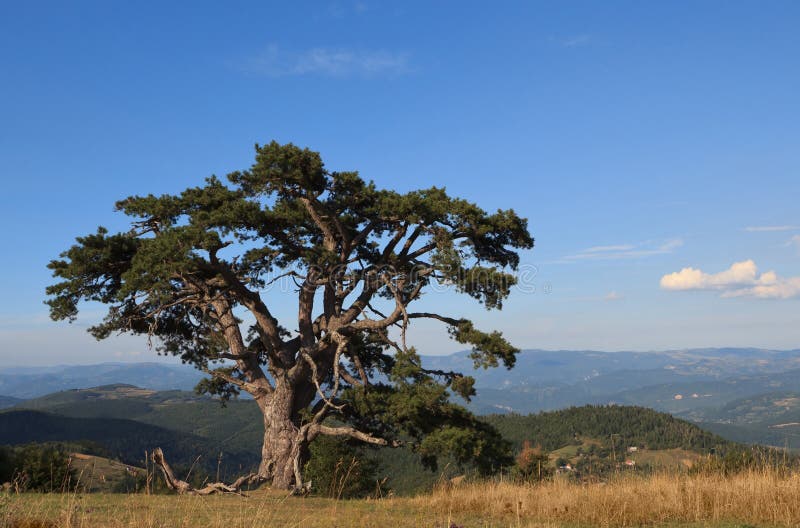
(756, 498)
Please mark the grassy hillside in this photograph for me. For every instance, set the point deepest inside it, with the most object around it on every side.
(125, 440)
(660, 501)
(100, 474)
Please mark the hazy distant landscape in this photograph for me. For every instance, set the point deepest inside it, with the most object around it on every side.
(746, 395)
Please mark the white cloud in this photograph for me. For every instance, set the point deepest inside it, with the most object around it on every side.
(619, 247)
(794, 241)
(332, 62)
(626, 251)
(767, 229)
(613, 296)
(740, 280)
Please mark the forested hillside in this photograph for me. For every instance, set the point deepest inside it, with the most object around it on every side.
(629, 426)
(187, 427)
(121, 439)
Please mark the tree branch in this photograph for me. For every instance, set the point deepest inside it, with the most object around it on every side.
(184, 488)
(327, 232)
(248, 387)
(425, 315)
(354, 433)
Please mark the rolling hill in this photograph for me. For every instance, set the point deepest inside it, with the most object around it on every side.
(125, 440)
(9, 401)
(236, 427)
(187, 425)
(29, 382)
(627, 425)
(744, 395)
(595, 440)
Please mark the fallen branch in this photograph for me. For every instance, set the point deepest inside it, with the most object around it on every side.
(184, 488)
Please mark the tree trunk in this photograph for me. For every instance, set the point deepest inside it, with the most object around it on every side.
(285, 448)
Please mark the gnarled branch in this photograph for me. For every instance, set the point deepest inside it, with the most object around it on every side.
(184, 488)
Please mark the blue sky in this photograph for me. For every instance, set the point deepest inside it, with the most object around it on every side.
(638, 138)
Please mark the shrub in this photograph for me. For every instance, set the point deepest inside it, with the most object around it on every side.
(339, 470)
(532, 463)
(43, 468)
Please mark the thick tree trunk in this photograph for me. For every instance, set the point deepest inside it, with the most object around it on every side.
(285, 447)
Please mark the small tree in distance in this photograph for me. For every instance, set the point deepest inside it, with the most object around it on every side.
(533, 464)
(194, 271)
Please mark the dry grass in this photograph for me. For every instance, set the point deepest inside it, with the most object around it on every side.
(753, 499)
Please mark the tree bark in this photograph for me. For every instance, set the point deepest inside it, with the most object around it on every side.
(285, 447)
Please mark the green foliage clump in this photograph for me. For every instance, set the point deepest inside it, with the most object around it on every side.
(34, 467)
(339, 470)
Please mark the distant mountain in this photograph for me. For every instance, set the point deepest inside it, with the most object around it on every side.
(563, 373)
(771, 418)
(22, 382)
(687, 382)
(689, 399)
(603, 371)
(9, 401)
(774, 409)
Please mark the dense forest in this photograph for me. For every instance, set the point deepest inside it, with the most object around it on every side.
(627, 425)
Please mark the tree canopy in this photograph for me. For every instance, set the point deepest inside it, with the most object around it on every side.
(194, 274)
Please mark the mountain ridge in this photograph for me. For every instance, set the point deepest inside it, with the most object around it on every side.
(534, 367)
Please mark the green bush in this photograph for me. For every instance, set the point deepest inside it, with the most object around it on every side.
(339, 470)
(37, 467)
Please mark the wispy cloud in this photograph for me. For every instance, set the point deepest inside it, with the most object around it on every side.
(330, 62)
(609, 297)
(603, 249)
(626, 251)
(768, 229)
(740, 280)
(573, 41)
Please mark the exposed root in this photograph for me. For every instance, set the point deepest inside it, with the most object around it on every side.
(184, 488)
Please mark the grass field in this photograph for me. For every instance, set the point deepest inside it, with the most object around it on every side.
(752, 499)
